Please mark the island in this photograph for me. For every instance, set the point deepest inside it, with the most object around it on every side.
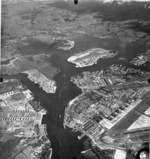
(112, 101)
(48, 85)
(63, 43)
(90, 57)
(22, 134)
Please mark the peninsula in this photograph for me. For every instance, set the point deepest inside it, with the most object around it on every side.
(48, 85)
(113, 102)
(22, 134)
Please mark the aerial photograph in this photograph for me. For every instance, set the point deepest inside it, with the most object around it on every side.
(75, 79)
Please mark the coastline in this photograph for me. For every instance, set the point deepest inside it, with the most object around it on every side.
(20, 63)
(97, 113)
(48, 85)
(90, 57)
(21, 119)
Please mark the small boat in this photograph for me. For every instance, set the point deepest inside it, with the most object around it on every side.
(59, 142)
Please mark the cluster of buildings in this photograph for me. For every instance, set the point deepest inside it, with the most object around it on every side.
(92, 80)
(19, 119)
(97, 111)
(141, 59)
(48, 85)
(90, 57)
(113, 76)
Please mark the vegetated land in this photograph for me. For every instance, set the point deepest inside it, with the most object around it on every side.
(23, 63)
(30, 28)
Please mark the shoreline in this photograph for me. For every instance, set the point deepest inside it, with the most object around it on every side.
(97, 113)
(24, 119)
(90, 57)
(48, 85)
